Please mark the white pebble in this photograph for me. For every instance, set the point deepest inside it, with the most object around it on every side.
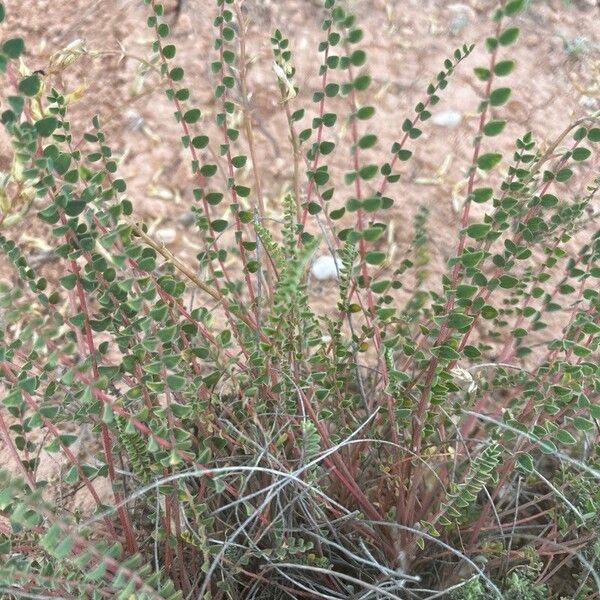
(447, 118)
(134, 119)
(589, 103)
(167, 235)
(325, 267)
(462, 14)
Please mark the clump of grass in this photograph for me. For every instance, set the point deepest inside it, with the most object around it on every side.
(410, 443)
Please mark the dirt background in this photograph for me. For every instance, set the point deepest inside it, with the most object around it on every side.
(557, 79)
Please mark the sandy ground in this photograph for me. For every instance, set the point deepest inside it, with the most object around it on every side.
(557, 79)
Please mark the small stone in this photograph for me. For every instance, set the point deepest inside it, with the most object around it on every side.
(447, 118)
(167, 235)
(134, 120)
(325, 267)
(461, 16)
(589, 103)
(186, 219)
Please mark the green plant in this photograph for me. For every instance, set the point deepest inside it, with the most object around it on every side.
(520, 586)
(471, 589)
(250, 448)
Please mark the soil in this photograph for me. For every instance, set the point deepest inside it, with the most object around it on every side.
(557, 80)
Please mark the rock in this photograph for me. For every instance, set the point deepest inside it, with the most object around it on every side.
(589, 103)
(447, 118)
(325, 267)
(186, 219)
(460, 17)
(134, 120)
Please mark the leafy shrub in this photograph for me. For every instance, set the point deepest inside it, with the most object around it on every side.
(249, 448)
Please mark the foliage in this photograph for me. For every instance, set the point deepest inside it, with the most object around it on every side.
(247, 447)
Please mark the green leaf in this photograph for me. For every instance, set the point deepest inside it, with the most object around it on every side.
(30, 86)
(242, 191)
(385, 313)
(332, 89)
(219, 225)
(367, 141)
(525, 462)
(548, 200)
(175, 382)
(504, 67)
(514, 7)
(63, 549)
(107, 414)
(457, 320)
(200, 141)
(239, 161)
(16, 103)
(45, 127)
(326, 147)
(482, 74)
(68, 281)
(96, 573)
(445, 352)
(362, 82)
(374, 258)
(169, 51)
(488, 161)
(14, 47)
(465, 290)
(494, 128)
(564, 175)
(372, 204)
(489, 312)
(478, 231)
(481, 195)
(176, 74)
(565, 437)
(368, 171)
(183, 94)
(358, 58)
(297, 115)
(365, 112)
(594, 134)
(62, 163)
(499, 96)
(321, 177)
(491, 44)
(509, 36)
(71, 476)
(192, 115)
(329, 119)
(74, 208)
(208, 170)
(508, 281)
(29, 384)
(583, 424)
(581, 154)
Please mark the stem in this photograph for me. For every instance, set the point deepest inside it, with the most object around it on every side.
(315, 164)
(106, 441)
(250, 135)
